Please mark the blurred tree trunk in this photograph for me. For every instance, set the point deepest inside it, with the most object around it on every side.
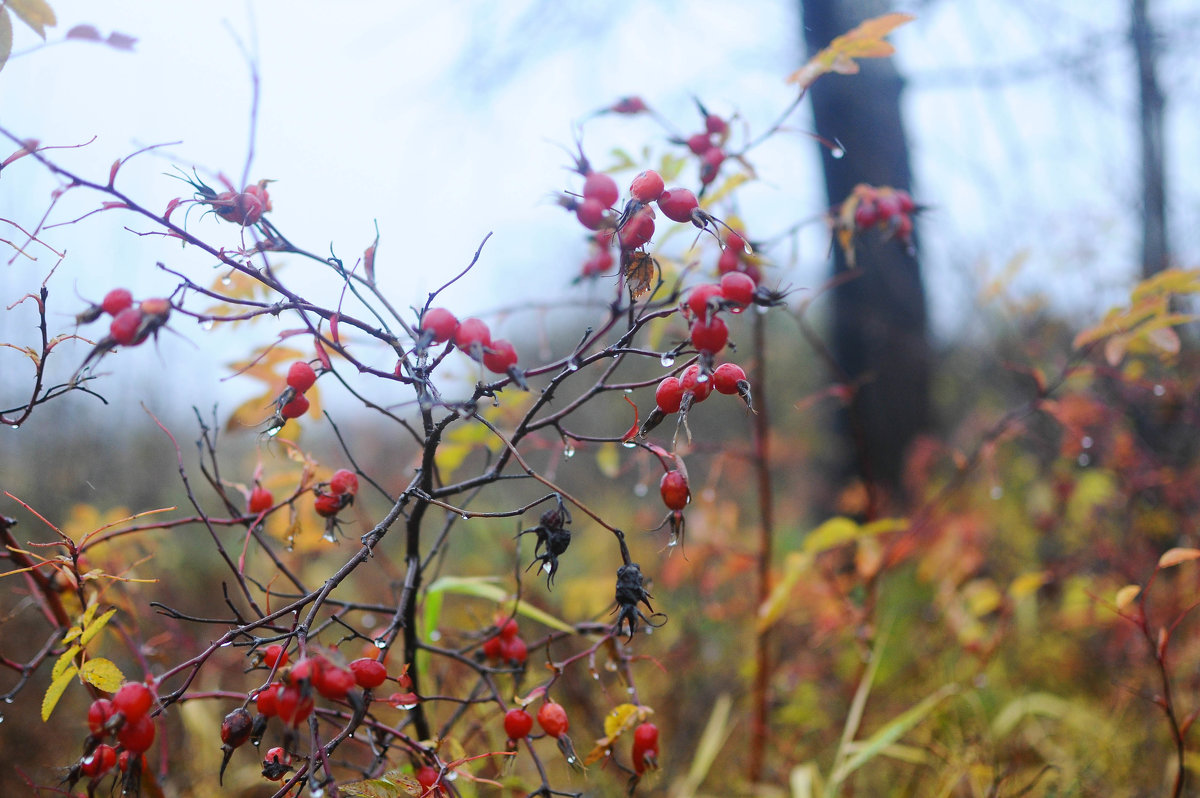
(879, 318)
(1155, 251)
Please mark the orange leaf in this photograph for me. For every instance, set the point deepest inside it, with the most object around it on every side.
(864, 41)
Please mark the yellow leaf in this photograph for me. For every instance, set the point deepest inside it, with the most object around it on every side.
(795, 566)
(728, 187)
(839, 530)
(102, 673)
(67, 660)
(55, 691)
(620, 719)
(1126, 595)
(608, 460)
(1027, 584)
(34, 13)
(864, 41)
(1176, 556)
(5, 37)
(94, 628)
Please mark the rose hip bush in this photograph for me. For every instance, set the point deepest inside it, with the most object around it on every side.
(345, 648)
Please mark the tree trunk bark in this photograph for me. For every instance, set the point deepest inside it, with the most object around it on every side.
(1155, 250)
(879, 327)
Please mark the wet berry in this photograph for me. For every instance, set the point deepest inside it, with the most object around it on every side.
(669, 394)
(438, 324)
(133, 700)
(301, 376)
(517, 724)
(125, 326)
(602, 188)
(297, 406)
(116, 300)
(261, 500)
(677, 204)
(369, 673)
(553, 719)
(674, 489)
(343, 481)
(647, 187)
(710, 336)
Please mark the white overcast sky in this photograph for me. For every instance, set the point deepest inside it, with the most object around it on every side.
(444, 121)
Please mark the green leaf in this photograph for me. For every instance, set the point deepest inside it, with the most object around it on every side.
(37, 14)
(55, 691)
(892, 731)
(102, 673)
(712, 740)
(485, 587)
(795, 566)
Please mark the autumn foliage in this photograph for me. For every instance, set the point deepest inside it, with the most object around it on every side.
(427, 559)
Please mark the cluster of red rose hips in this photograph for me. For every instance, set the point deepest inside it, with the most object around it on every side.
(708, 145)
(473, 337)
(883, 207)
(506, 646)
(331, 497)
(551, 717)
(123, 719)
(132, 323)
(291, 699)
(292, 403)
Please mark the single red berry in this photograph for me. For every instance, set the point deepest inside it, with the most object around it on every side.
(715, 125)
(888, 206)
(646, 747)
(677, 204)
(710, 165)
(674, 490)
(629, 105)
(305, 669)
(328, 505)
(738, 288)
(133, 700)
(637, 230)
(275, 655)
(296, 407)
(369, 673)
(735, 241)
(438, 324)
(137, 734)
(517, 724)
(508, 627)
(710, 336)
(865, 214)
(236, 727)
(116, 300)
(428, 776)
(125, 326)
(599, 263)
(334, 682)
(727, 376)
(276, 764)
(590, 213)
(699, 143)
(669, 394)
(491, 647)
(647, 187)
(343, 481)
(98, 714)
(513, 650)
(292, 705)
(703, 300)
(646, 734)
(240, 207)
(267, 700)
(729, 260)
(601, 187)
(553, 719)
(301, 376)
(691, 380)
(472, 337)
(261, 500)
(156, 306)
(500, 357)
(102, 759)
